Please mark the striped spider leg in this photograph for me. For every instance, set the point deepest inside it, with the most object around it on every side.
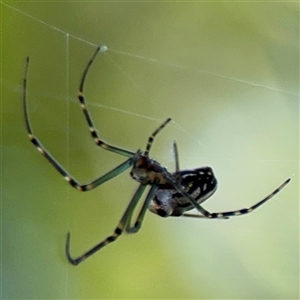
(170, 194)
(199, 183)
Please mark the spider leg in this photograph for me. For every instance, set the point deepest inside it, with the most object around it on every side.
(88, 117)
(151, 138)
(117, 232)
(137, 225)
(199, 216)
(176, 155)
(243, 211)
(253, 207)
(71, 180)
(177, 168)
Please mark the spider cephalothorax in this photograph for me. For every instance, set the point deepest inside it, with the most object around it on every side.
(170, 194)
(148, 171)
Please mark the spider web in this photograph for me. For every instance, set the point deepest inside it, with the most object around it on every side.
(236, 123)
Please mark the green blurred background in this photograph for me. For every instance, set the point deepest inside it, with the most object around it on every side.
(228, 75)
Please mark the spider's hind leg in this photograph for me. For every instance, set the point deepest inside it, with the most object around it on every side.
(243, 211)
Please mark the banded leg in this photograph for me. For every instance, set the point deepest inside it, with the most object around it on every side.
(177, 168)
(153, 135)
(137, 224)
(71, 180)
(176, 155)
(88, 117)
(243, 211)
(124, 222)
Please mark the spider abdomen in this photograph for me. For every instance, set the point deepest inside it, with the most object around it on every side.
(199, 183)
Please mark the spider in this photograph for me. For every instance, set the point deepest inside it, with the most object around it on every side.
(170, 194)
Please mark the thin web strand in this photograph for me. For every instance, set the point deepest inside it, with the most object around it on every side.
(138, 87)
(174, 65)
(68, 203)
(48, 25)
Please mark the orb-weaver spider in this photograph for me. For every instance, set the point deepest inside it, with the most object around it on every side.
(170, 194)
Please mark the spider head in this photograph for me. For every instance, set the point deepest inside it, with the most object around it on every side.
(147, 171)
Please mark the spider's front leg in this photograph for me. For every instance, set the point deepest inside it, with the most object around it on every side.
(93, 131)
(69, 178)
